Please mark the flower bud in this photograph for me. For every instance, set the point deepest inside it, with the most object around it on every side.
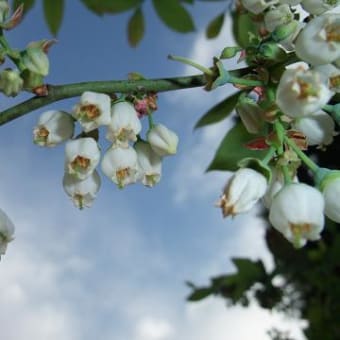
(317, 7)
(162, 140)
(124, 125)
(330, 188)
(82, 192)
(319, 128)
(120, 165)
(93, 110)
(284, 31)
(149, 164)
(53, 127)
(242, 192)
(301, 92)
(297, 212)
(31, 79)
(4, 10)
(280, 15)
(257, 6)
(10, 82)
(319, 41)
(81, 157)
(35, 60)
(250, 113)
(6, 232)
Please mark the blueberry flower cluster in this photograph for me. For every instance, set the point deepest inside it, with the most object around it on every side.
(127, 160)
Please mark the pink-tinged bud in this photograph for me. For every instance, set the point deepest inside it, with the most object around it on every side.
(15, 19)
(242, 192)
(297, 212)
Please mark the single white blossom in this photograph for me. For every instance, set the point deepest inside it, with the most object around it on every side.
(81, 157)
(280, 15)
(6, 232)
(317, 7)
(93, 110)
(124, 125)
(331, 75)
(150, 164)
(257, 6)
(319, 128)
(82, 192)
(297, 212)
(53, 127)
(162, 140)
(242, 192)
(318, 43)
(301, 91)
(120, 165)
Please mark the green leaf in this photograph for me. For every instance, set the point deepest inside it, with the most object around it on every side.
(242, 25)
(215, 26)
(200, 294)
(174, 15)
(249, 270)
(232, 149)
(136, 27)
(110, 6)
(53, 11)
(28, 4)
(219, 112)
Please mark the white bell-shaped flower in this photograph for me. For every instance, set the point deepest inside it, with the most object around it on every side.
(120, 165)
(331, 74)
(301, 91)
(277, 16)
(330, 187)
(242, 192)
(81, 157)
(162, 140)
(317, 7)
(297, 212)
(150, 164)
(257, 6)
(319, 128)
(93, 110)
(53, 127)
(318, 43)
(82, 192)
(6, 232)
(124, 125)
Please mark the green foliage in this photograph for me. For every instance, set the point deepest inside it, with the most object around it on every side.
(242, 27)
(174, 15)
(233, 149)
(53, 11)
(215, 26)
(136, 27)
(219, 112)
(111, 6)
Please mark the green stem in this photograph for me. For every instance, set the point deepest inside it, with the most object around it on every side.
(246, 82)
(269, 155)
(150, 120)
(310, 164)
(192, 63)
(286, 174)
(59, 92)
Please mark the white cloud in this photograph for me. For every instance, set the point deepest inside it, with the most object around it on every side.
(150, 328)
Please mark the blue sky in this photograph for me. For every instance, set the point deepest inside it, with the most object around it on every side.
(118, 269)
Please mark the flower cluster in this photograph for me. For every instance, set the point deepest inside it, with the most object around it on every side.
(128, 159)
(295, 110)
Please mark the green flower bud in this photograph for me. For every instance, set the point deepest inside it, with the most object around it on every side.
(283, 31)
(36, 60)
(230, 52)
(31, 79)
(272, 51)
(10, 82)
(4, 9)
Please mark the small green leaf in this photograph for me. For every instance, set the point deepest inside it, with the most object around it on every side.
(174, 15)
(219, 112)
(249, 270)
(242, 26)
(28, 4)
(53, 11)
(232, 150)
(215, 26)
(199, 294)
(110, 6)
(136, 27)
